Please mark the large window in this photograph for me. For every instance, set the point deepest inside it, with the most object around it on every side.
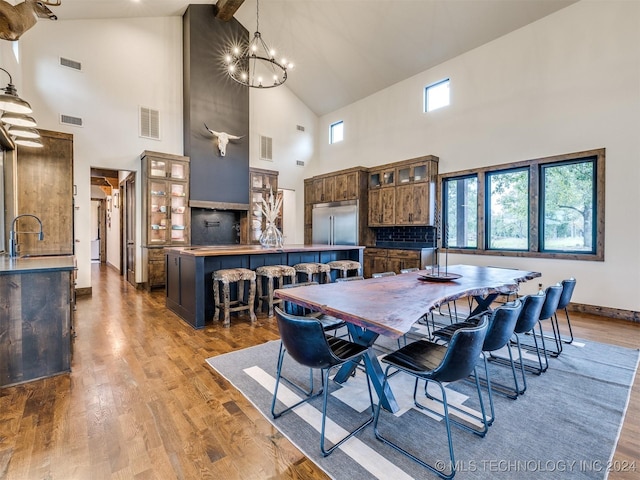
(549, 207)
(568, 207)
(461, 206)
(508, 210)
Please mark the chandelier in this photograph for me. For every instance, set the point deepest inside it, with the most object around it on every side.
(255, 65)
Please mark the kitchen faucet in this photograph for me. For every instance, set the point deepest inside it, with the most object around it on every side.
(13, 250)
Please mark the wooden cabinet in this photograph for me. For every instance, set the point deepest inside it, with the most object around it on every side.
(35, 321)
(323, 189)
(44, 187)
(166, 216)
(263, 183)
(413, 199)
(382, 207)
(344, 185)
(377, 260)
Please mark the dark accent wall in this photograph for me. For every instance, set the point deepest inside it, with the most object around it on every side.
(213, 227)
(211, 97)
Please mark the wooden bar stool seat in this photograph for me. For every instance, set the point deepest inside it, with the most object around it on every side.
(238, 276)
(311, 268)
(344, 266)
(275, 275)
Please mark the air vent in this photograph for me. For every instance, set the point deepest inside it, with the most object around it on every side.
(266, 148)
(69, 120)
(73, 64)
(300, 128)
(300, 163)
(149, 123)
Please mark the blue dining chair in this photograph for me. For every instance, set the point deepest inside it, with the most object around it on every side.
(304, 339)
(431, 362)
(567, 292)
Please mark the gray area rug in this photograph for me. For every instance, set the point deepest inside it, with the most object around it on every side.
(566, 425)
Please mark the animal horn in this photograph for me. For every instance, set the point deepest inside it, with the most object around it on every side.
(52, 4)
(213, 132)
(234, 137)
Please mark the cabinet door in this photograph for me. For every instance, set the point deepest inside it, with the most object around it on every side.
(346, 186)
(420, 206)
(375, 208)
(404, 204)
(159, 222)
(179, 213)
(374, 263)
(388, 205)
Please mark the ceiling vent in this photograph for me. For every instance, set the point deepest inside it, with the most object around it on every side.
(300, 128)
(149, 123)
(266, 144)
(69, 120)
(73, 64)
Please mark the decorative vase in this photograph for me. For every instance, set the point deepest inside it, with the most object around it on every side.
(271, 237)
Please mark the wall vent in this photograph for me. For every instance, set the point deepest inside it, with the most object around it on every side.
(300, 128)
(149, 123)
(69, 120)
(266, 145)
(73, 64)
(300, 163)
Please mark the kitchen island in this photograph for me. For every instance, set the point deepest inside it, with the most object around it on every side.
(189, 283)
(36, 308)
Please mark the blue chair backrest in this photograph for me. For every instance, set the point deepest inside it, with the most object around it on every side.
(502, 322)
(530, 313)
(462, 353)
(305, 341)
(550, 305)
(567, 292)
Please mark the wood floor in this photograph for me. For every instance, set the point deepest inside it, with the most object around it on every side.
(141, 403)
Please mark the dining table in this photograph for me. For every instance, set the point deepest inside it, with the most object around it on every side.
(390, 305)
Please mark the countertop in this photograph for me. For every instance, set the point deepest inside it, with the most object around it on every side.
(219, 250)
(9, 265)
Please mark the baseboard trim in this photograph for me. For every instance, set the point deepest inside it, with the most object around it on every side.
(83, 291)
(608, 312)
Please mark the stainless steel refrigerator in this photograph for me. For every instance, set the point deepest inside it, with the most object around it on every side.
(335, 223)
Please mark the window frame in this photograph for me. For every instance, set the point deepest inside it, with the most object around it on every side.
(445, 207)
(331, 127)
(535, 208)
(425, 103)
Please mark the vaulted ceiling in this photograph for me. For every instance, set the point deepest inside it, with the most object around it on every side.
(345, 50)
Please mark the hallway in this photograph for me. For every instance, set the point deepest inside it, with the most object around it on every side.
(141, 403)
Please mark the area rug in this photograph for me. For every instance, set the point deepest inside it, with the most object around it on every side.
(565, 425)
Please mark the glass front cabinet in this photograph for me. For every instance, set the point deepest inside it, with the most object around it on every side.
(166, 216)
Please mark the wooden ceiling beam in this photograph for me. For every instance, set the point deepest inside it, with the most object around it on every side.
(226, 9)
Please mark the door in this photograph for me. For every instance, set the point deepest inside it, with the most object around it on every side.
(321, 226)
(130, 228)
(345, 225)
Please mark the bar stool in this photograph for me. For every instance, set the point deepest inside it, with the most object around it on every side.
(343, 266)
(275, 275)
(311, 268)
(226, 277)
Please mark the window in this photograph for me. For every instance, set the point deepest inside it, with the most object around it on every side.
(568, 207)
(461, 207)
(336, 132)
(436, 95)
(508, 210)
(551, 207)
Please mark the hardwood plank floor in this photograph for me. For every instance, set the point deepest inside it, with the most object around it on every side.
(141, 403)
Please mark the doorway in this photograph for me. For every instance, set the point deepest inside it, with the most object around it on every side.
(128, 188)
(98, 230)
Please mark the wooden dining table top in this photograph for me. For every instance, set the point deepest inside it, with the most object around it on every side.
(391, 305)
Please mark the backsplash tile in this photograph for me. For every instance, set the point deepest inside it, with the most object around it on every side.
(425, 236)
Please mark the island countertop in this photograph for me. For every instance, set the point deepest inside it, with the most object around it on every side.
(26, 264)
(221, 250)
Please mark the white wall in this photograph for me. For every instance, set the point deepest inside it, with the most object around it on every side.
(567, 83)
(276, 113)
(126, 63)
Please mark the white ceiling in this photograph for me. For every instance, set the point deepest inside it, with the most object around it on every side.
(345, 50)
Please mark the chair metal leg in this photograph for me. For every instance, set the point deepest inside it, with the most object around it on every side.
(442, 473)
(483, 418)
(567, 340)
(507, 391)
(327, 451)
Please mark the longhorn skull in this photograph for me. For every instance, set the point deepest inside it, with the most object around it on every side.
(222, 139)
(15, 20)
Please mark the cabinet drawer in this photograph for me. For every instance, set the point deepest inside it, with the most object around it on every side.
(407, 254)
(156, 255)
(375, 251)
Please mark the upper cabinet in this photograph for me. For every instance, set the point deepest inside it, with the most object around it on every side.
(403, 193)
(165, 198)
